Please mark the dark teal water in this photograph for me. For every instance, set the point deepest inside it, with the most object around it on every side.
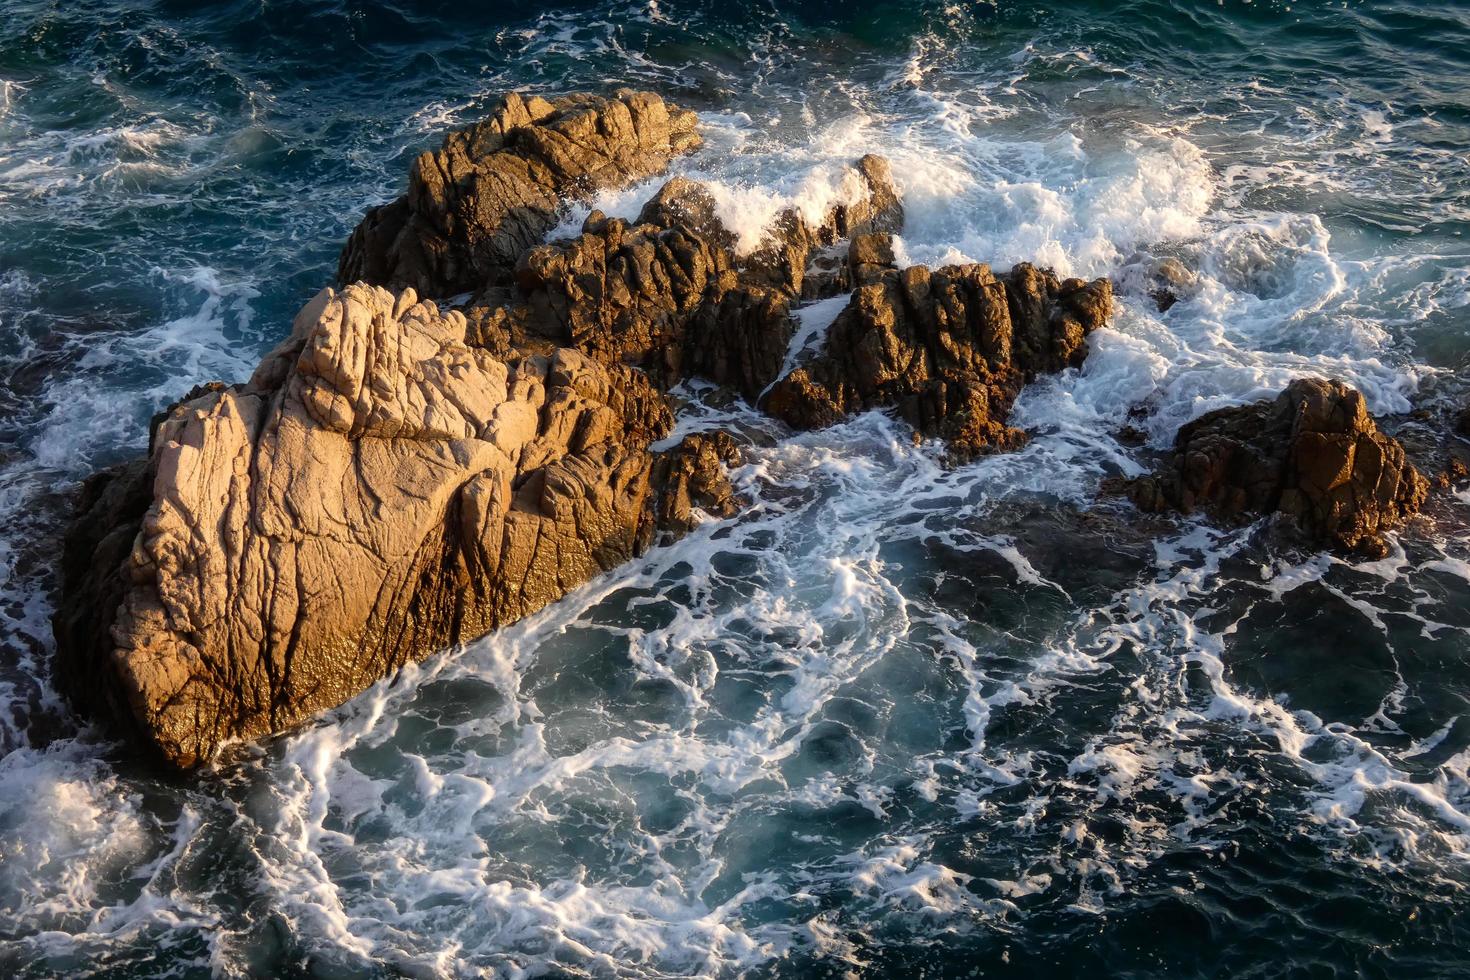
(897, 720)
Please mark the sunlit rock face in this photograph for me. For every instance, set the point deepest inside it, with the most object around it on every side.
(376, 491)
(1314, 455)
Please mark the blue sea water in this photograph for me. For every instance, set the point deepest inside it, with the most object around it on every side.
(897, 719)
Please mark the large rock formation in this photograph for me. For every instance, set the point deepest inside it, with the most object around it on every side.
(495, 189)
(950, 348)
(395, 478)
(376, 491)
(1313, 454)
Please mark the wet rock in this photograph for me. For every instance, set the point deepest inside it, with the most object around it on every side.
(693, 475)
(493, 190)
(1131, 435)
(869, 256)
(950, 349)
(1164, 299)
(670, 294)
(1462, 423)
(377, 491)
(1454, 474)
(1313, 455)
(680, 203)
(880, 210)
(1166, 280)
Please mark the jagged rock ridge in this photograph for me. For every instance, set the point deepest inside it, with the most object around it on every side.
(668, 292)
(494, 189)
(951, 349)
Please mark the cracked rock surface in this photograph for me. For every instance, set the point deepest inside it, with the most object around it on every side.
(377, 491)
(950, 348)
(494, 189)
(668, 292)
(1313, 454)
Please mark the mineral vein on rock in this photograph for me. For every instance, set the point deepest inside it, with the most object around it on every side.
(395, 478)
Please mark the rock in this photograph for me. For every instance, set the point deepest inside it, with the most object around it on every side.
(1131, 435)
(880, 210)
(869, 256)
(394, 479)
(1313, 454)
(198, 391)
(950, 349)
(671, 295)
(1164, 299)
(95, 549)
(377, 491)
(1165, 280)
(680, 203)
(494, 189)
(1455, 473)
(1462, 423)
(663, 299)
(692, 475)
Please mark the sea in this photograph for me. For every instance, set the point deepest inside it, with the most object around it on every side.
(898, 719)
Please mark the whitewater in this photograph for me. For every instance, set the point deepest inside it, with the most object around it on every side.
(897, 717)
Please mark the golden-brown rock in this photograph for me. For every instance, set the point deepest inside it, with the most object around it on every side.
(494, 189)
(950, 349)
(377, 491)
(1313, 454)
(671, 294)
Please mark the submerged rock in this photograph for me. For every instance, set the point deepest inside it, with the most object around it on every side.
(1313, 454)
(1165, 280)
(950, 349)
(377, 491)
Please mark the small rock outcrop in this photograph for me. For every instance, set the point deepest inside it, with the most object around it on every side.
(1313, 454)
(495, 189)
(949, 348)
(377, 491)
(1165, 280)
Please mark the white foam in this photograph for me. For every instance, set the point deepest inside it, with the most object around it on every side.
(812, 323)
(614, 785)
(168, 358)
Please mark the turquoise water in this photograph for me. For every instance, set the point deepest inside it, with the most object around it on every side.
(896, 720)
